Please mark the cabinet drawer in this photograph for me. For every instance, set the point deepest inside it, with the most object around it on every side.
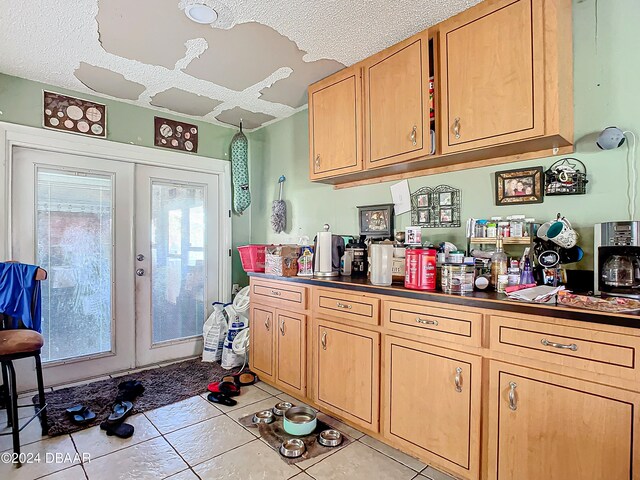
(586, 349)
(425, 319)
(293, 296)
(340, 304)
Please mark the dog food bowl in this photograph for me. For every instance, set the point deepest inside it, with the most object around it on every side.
(265, 416)
(292, 448)
(330, 438)
(299, 421)
(281, 407)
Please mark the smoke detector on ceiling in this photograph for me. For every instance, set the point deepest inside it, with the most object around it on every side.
(199, 13)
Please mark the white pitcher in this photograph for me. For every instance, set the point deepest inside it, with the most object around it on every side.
(381, 263)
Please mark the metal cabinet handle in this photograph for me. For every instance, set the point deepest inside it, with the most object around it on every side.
(276, 293)
(317, 161)
(344, 305)
(414, 133)
(267, 324)
(282, 327)
(456, 127)
(324, 340)
(427, 322)
(513, 402)
(458, 380)
(572, 346)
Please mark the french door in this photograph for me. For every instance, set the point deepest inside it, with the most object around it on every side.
(133, 254)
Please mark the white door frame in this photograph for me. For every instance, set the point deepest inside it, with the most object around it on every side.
(12, 135)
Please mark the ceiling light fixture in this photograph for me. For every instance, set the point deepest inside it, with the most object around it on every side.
(199, 13)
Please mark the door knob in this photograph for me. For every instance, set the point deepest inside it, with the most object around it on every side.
(140, 272)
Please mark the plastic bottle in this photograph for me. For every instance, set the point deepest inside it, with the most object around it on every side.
(345, 264)
(526, 276)
(305, 261)
(498, 263)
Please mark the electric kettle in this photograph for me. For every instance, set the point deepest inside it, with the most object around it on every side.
(621, 271)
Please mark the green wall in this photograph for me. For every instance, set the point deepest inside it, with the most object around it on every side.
(21, 103)
(606, 90)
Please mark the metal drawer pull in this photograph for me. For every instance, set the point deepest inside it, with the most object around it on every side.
(513, 403)
(458, 379)
(414, 132)
(317, 162)
(266, 324)
(276, 293)
(456, 127)
(344, 305)
(324, 340)
(572, 346)
(427, 322)
(282, 327)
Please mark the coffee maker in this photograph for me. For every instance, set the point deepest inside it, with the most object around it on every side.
(617, 259)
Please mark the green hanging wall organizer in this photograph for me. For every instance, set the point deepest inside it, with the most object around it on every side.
(240, 171)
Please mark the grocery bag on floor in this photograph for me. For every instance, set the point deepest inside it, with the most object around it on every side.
(237, 323)
(214, 332)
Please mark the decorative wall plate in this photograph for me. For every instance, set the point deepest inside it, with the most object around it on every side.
(176, 135)
(74, 115)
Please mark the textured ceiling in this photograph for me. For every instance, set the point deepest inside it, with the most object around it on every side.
(254, 63)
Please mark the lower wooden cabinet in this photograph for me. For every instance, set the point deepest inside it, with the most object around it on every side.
(278, 347)
(544, 425)
(261, 345)
(347, 371)
(291, 352)
(431, 404)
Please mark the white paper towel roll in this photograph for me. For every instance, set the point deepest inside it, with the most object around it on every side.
(323, 255)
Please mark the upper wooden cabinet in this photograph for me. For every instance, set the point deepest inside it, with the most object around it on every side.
(335, 124)
(396, 107)
(492, 68)
(502, 76)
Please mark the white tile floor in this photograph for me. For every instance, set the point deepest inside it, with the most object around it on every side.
(195, 439)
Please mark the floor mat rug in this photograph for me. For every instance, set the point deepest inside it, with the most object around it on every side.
(163, 386)
(274, 434)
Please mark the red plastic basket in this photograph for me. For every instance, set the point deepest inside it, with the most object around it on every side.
(252, 257)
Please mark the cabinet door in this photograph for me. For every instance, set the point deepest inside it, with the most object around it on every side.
(335, 124)
(432, 403)
(544, 425)
(291, 351)
(262, 347)
(397, 103)
(492, 75)
(347, 372)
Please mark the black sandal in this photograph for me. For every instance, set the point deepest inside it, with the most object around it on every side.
(129, 390)
(241, 379)
(121, 430)
(81, 414)
(120, 412)
(222, 399)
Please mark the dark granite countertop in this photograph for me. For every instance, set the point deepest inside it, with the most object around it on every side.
(489, 300)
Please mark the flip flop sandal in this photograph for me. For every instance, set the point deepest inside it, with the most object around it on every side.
(120, 411)
(121, 430)
(129, 390)
(81, 414)
(222, 399)
(242, 379)
(228, 388)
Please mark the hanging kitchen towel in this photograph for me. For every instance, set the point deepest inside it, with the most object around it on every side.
(240, 171)
(20, 295)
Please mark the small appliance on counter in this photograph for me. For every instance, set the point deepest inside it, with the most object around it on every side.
(358, 249)
(617, 259)
(328, 250)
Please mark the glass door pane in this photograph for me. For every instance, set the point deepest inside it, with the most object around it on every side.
(74, 235)
(178, 261)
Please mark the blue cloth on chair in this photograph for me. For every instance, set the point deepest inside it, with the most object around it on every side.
(20, 295)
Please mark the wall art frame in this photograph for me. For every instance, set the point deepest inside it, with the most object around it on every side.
(73, 115)
(520, 186)
(436, 207)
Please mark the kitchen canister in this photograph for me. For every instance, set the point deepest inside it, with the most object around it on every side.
(381, 263)
(420, 270)
(457, 278)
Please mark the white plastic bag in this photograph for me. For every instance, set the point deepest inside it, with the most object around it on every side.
(214, 332)
(237, 323)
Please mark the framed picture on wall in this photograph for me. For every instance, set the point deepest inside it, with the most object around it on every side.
(519, 186)
(376, 221)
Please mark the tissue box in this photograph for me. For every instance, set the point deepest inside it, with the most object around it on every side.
(282, 260)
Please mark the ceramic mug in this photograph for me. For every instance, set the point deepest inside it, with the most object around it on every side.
(543, 229)
(561, 233)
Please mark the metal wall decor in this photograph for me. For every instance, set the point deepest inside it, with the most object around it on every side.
(74, 115)
(437, 207)
(566, 177)
(177, 135)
